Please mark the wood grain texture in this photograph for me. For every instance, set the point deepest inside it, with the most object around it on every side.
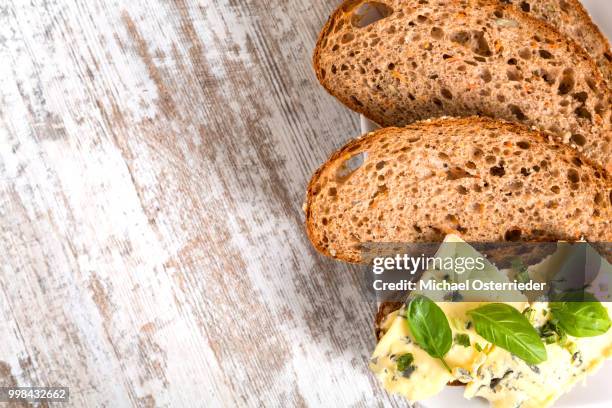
(153, 162)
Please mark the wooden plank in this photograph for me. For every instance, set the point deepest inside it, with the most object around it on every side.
(154, 158)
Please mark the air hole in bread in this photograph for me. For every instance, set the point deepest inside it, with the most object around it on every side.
(369, 13)
(460, 37)
(598, 199)
(497, 171)
(573, 176)
(525, 7)
(591, 83)
(332, 191)
(513, 235)
(577, 161)
(523, 145)
(545, 54)
(555, 189)
(548, 77)
(382, 191)
(583, 112)
(485, 75)
(347, 38)
(581, 96)
(525, 53)
(456, 173)
(517, 112)
(437, 33)
(480, 45)
(514, 74)
(350, 165)
(462, 190)
(599, 109)
(446, 93)
(515, 185)
(443, 156)
(567, 82)
(578, 140)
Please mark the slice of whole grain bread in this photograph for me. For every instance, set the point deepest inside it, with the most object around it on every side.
(433, 58)
(570, 18)
(484, 179)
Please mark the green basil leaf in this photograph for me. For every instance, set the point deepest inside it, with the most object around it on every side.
(507, 328)
(430, 328)
(581, 319)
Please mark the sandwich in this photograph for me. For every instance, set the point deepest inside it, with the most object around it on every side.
(417, 60)
(513, 354)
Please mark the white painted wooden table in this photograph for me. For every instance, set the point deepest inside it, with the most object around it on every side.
(153, 161)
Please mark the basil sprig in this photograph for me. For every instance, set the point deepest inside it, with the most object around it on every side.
(430, 328)
(507, 328)
(587, 318)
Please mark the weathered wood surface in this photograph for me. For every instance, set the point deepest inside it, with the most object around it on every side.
(154, 158)
(153, 161)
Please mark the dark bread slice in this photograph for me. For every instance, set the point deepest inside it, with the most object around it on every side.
(570, 18)
(436, 58)
(484, 179)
